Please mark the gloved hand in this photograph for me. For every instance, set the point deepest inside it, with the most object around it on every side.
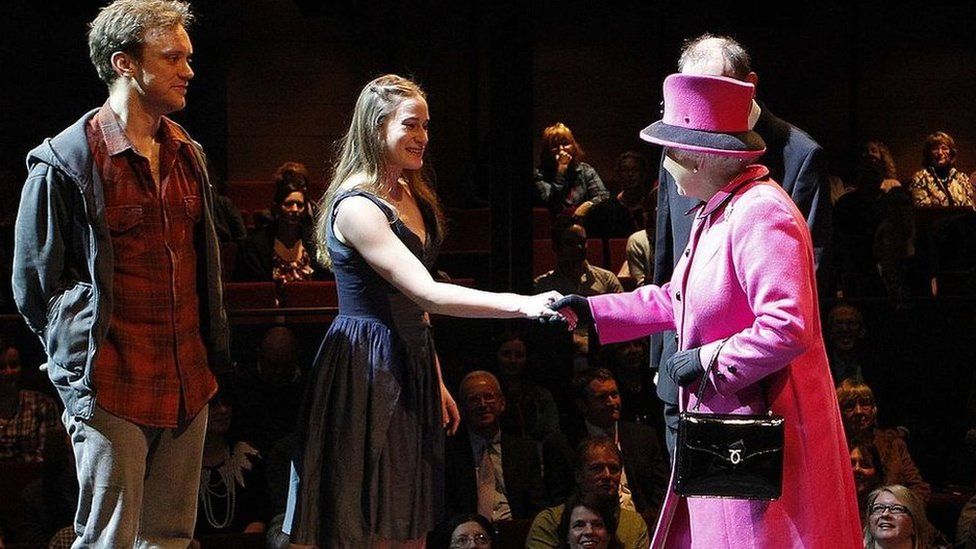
(574, 310)
(684, 367)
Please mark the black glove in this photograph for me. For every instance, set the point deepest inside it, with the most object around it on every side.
(685, 367)
(578, 305)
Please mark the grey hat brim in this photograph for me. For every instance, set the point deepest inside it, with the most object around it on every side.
(744, 144)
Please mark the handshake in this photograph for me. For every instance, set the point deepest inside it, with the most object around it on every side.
(573, 311)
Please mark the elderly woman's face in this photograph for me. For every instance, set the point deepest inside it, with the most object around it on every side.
(859, 413)
(470, 534)
(889, 520)
(940, 155)
(684, 170)
(587, 529)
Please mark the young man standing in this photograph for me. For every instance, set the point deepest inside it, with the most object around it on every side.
(116, 268)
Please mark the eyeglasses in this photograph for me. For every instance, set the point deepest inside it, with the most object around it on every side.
(893, 508)
(478, 540)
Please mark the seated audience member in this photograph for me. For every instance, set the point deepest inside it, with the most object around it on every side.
(464, 531)
(233, 495)
(530, 411)
(966, 526)
(856, 218)
(629, 363)
(939, 183)
(631, 209)
(269, 391)
(283, 251)
(867, 469)
(599, 466)
(860, 414)
(844, 337)
(879, 151)
(589, 523)
(28, 419)
(564, 182)
(489, 471)
(49, 502)
(645, 475)
(896, 519)
(640, 256)
(573, 274)
(905, 269)
(227, 218)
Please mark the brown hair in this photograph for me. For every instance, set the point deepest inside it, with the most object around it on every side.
(938, 138)
(122, 27)
(361, 153)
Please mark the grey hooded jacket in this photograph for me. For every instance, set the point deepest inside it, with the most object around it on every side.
(63, 264)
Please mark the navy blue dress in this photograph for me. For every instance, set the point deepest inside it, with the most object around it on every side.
(371, 448)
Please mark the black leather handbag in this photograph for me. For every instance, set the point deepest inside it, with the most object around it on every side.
(728, 455)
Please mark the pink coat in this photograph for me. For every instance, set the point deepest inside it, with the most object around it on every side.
(748, 275)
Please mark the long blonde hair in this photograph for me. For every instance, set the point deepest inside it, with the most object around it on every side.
(361, 154)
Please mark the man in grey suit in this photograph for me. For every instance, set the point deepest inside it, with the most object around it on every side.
(794, 159)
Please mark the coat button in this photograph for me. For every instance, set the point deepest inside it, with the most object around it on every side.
(677, 295)
(676, 338)
(687, 252)
(732, 369)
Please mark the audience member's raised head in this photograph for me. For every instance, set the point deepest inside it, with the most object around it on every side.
(295, 171)
(510, 355)
(879, 151)
(10, 369)
(939, 151)
(588, 522)
(482, 403)
(845, 328)
(599, 465)
(598, 397)
(895, 518)
(558, 144)
(278, 362)
(468, 530)
(858, 408)
(867, 468)
(568, 239)
(290, 200)
(630, 170)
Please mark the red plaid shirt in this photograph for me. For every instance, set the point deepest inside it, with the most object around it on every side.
(152, 367)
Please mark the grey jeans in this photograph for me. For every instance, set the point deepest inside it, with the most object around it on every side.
(138, 485)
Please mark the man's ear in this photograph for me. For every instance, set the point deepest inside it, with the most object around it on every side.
(123, 64)
(753, 79)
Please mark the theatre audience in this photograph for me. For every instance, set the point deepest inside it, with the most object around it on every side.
(530, 410)
(629, 363)
(879, 151)
(589, 523)
(563, 182)
(269, 390)
(906, 268)
(599, 466)
(868, 471)
(489, 471)
(464, 531)
(856, 218)
(939, 183)
(645, 474)
(233, 496)
(896, 519)
(228, 220)
(629, 210)
(844, 335)
(283, 250)
(28, 419)
(859, 412)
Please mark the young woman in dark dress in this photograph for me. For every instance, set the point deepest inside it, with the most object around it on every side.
(369, 472)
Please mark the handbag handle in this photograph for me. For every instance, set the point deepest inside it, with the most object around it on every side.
(708, 370)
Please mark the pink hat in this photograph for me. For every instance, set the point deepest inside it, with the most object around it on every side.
(707, 114)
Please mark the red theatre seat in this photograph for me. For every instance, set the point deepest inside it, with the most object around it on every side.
(310, 294)
(541, 223)
(250, 295)
(617, 252)
(251, 195)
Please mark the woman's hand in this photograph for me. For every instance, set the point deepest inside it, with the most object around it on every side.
(563, 159)
(450, 416)
(574, 310)
(583, 209)
(539, 305)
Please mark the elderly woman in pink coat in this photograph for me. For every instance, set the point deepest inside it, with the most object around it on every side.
(743, 295)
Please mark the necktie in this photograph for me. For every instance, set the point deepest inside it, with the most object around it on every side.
(486, 483)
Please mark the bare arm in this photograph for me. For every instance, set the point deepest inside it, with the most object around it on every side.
(361, 225)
